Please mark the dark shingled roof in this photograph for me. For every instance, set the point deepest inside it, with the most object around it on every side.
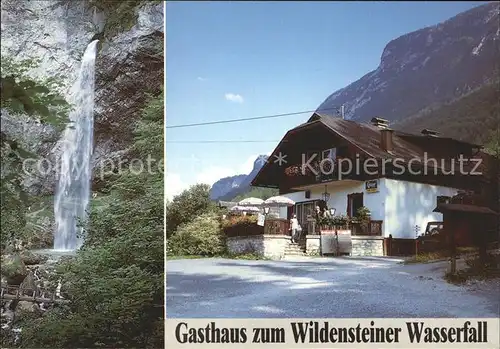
(406, 146)
(464, 208)
(367, 138)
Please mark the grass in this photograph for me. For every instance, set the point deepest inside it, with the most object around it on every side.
(477, 270)
(186, 257)
(430, 257)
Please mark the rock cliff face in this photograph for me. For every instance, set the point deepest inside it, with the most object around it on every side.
(426, 68)
(225, 185)
(129, 67)
(230, 187)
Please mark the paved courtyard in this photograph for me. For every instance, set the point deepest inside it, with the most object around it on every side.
(320, 288)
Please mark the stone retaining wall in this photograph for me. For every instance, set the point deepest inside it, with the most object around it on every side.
(367, 246)
(273, 246)
(270, 246)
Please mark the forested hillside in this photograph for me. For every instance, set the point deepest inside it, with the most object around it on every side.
(472, 118)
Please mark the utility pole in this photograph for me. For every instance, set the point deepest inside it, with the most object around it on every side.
(342, 109)
(417, 230)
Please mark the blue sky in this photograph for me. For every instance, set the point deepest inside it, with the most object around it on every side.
(228, 60)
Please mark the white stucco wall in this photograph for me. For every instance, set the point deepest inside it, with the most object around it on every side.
(408, 204)
(401, 205)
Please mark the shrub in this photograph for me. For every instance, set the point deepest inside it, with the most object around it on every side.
(201, 236)
(335, 221)
(187, 205)
(241, 226)
(489, 267)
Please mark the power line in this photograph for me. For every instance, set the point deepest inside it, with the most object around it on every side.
(225, 141)
(338, 109)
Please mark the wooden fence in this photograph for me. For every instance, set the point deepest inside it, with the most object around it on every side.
(30, 295)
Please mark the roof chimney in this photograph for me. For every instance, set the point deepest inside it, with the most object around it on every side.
(431, 133)
(379, 122)
(386, 139)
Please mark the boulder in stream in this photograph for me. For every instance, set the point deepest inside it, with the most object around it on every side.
(13, 269)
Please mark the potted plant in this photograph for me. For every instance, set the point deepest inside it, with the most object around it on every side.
(363, 216)
(341, 221)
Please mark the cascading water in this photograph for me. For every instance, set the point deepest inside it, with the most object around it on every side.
(73, 189)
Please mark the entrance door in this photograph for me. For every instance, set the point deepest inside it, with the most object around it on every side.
(304, 210)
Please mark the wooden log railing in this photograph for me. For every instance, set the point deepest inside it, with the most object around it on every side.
(276, 226)
(22, 294)
(374, 228)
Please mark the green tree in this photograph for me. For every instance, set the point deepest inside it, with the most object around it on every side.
(492, 146)
(261, 193)
(185, 206)
(116, 282)
(201, 236)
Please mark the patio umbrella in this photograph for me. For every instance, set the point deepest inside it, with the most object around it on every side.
(251, 202)
(280, 201)
(244, 209)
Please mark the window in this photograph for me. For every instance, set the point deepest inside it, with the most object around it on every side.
(354, 203)
(329, 154)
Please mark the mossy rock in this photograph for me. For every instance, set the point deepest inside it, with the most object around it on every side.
(30, 258)
(13, 269)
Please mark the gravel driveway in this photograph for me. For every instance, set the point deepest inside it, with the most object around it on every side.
(319, 288)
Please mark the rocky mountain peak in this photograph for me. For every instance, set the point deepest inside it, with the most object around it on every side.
(430, 66)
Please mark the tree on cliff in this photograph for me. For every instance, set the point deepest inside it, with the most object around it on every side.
(21, 94)
(116, 282)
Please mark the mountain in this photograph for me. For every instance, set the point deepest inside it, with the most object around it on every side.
(230, 187)
(225, 185)
(426, 68)
(445, 77)
(473, 118)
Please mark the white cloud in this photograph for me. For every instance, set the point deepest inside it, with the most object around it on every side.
(174, 185)
(247, 166)
(201, 79)
(212, 174)
(234, 97)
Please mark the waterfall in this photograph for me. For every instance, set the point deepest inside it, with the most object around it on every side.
(73, 189)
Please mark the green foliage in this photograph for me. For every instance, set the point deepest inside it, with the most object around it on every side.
(120, 15)
(37, 97)
(202, 236)
(185, 206)
(23, 94)
(256, 192)
(466, 118)
(363, 213)
(115, 283)
(335, 221)
(239, 220)
(13, 201)
(241, 226)
(492, 145)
